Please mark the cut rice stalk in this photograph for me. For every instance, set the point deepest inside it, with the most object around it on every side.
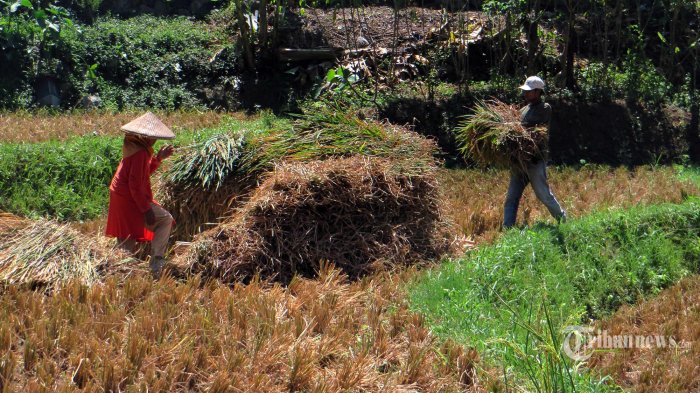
(48, 252)
(362, 214)
(494, 136)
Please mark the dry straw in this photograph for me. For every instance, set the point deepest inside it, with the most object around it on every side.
(9, 221)
(211, 178)
(359, 213)
(46, 252)
(322, 335)
(494, 136)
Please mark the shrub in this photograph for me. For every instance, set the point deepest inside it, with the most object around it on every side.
(29, 35)
(142, 62)
(135, 63)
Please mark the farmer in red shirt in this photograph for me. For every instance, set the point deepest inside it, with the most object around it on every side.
(133, 214)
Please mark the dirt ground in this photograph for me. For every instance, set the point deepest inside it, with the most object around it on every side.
(356, 28)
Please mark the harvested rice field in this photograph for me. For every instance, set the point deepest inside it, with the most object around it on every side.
(327, 253)
(673, 314)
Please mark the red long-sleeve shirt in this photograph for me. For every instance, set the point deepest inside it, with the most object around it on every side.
(130, 197)
(133, 179)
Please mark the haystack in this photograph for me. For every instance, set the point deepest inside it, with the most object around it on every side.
(211, 178)
(360, 213)
(46, 252)
(9, 221)
(494, 136)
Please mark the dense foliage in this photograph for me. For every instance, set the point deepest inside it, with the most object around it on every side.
(140, 62)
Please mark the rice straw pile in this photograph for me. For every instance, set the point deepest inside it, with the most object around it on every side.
(46, 252)
(328, 133)
(9, 221)
(198, 187)
(362, 214)
(211, 178)
(494, 136)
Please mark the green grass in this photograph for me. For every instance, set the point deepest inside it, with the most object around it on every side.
(688, 173)
(513, 298)
(69, 180)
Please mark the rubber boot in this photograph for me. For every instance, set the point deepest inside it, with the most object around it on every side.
(156, 264)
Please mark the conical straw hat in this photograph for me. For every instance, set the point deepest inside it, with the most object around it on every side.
(149, 125)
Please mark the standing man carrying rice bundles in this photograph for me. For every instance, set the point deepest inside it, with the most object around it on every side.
(536, 113)
(134, 216)
(498, 134)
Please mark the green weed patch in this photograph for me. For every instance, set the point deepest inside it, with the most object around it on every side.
(512, 299)
(68, 180)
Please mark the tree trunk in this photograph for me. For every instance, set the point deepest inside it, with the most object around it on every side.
(618, 28)
(605, 39)
(533, 44)
(693, 130)
(570, 80)
(567, 57)
(507, 60)
(321, 54)
(262, 34)
(245, 36)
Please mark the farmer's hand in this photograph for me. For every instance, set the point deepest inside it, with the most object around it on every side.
(150, 217)
(165, 152)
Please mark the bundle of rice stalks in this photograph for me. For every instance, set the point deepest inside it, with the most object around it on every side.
(211, 178)
(362, 214)
(329, 133)
(198, 187)
(47, 252)
(493, 135)
(208, 164)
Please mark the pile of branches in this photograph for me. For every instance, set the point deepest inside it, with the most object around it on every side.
(494, 136)
(216, 175)
(46, 252)
(362, 214)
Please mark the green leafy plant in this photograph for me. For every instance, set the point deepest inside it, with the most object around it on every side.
(46, 26)
(29, 36)
(145, 62)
